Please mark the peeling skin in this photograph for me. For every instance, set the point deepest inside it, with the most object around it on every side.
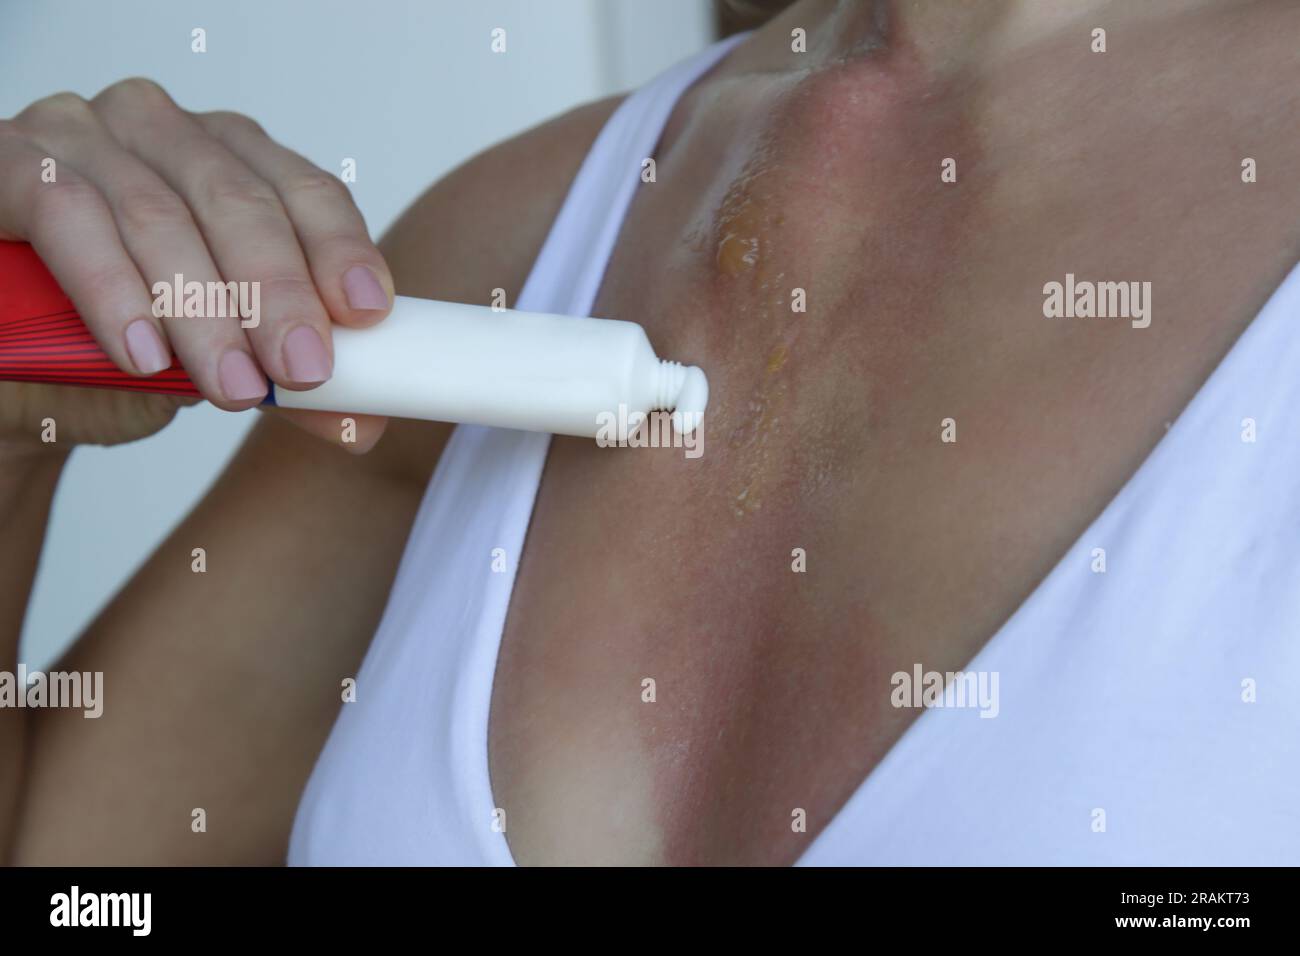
(746, 221)
(754, 433)
(740, 228)
(744, 504)
(738, 251)
(776, 360)
(747, 233)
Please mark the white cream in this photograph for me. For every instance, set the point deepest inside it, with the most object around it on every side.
(445, 361)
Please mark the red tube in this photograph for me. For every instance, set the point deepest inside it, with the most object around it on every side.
(42, 338)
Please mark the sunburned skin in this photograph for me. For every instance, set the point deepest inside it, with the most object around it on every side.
(924, 304)
(822, 129)
(746, 230)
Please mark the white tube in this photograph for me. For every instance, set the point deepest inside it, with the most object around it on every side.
(444, 361)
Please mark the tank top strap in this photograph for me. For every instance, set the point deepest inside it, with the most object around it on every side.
(567, 275)
(404, 775)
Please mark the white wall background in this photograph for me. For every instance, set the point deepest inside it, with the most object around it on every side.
(408, 88)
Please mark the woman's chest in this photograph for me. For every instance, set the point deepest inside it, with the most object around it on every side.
(903, 438)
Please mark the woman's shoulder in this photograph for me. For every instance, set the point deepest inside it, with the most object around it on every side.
(481, 226)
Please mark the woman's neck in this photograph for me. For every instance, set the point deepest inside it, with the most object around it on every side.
(942, 37)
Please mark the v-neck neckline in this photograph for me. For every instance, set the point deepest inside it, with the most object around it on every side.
(1181, 431)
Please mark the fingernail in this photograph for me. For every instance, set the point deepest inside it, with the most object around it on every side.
(240, 377)
(146, 347)
(305, 356)
(363, 289)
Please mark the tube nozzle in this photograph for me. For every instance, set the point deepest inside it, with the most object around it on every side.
(684, 391)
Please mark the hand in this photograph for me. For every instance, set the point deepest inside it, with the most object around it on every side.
(144, 190)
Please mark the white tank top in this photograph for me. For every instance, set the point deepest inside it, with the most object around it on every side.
(1148, 714)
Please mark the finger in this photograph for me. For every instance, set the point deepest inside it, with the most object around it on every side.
(163, 241)
(350, 273)
(243, 223)
(71, 227)
(355, 433)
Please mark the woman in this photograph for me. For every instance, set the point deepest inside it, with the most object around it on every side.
(914, 465)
